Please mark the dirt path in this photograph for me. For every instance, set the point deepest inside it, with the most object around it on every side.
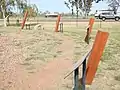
(53, 73)
(50, 77)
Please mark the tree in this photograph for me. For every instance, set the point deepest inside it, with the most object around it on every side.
(7, 5)
(21, 5)
(70, 4)
(32, 10)
(82, 6)
(113, 4)
(97, 1)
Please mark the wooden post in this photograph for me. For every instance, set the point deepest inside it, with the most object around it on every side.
(76, 79)
(24, 20)
(87, 37)
(61, 27)
(91, 22)
(96, 53)
(89, 30)
(57, 23)
(83, 74)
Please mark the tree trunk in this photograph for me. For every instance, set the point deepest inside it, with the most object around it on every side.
(5, 19)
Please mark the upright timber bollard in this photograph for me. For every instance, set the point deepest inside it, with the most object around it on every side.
(57, 23)
(89, 30)
(96, 53)
(61, 27)
(89, 68)
(91, 22)
(24, 20)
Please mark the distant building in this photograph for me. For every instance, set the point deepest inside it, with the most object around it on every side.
(51, 15)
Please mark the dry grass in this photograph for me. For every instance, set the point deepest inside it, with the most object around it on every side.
(39, 47)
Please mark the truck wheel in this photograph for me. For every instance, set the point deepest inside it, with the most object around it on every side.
(103, 18)
(116, 18)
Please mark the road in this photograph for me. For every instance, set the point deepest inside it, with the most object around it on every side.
(35, 20)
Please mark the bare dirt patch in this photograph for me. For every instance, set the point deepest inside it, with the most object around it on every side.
(23, 67)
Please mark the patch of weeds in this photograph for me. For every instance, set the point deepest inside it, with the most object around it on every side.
(31, 72)
(28, 58)
(48, 39)
(77, 53)
(99, 70)
(42, 58)
(30, 68)
(60, 40)
(54, 56)
(117, 78)
(77, 41)
(107, 55)
(59, 52)
(66, 34)
(77, 47)
(59, 43)
(111, 68)
(76, 58)
(26, 64)
(9, 82)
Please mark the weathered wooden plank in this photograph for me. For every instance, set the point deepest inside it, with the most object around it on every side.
(24, 20)
(96, 53)
(91, 22)
(89, 30)
(57, 23)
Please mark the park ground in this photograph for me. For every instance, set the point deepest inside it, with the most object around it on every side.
(40, 59)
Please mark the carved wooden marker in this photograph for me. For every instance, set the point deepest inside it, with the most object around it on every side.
(96, 53)
(91, 22)
(89, 30)
(57, 23)
(24, 20)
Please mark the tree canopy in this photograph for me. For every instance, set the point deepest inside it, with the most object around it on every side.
(8, 5)
(113, 4)
(84, 6)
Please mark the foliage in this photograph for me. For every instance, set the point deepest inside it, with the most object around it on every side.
(32, 10)
(113, 4)
(81, 6)
(8, 5)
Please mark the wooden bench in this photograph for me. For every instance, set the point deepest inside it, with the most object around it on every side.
(93, 56)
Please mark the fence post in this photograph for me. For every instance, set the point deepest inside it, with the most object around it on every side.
(57, 23)
(96, 53)
(24, 20)
(76, 79)
(61, 27)
(83, 74)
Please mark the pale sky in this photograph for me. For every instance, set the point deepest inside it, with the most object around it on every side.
(59, 6)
